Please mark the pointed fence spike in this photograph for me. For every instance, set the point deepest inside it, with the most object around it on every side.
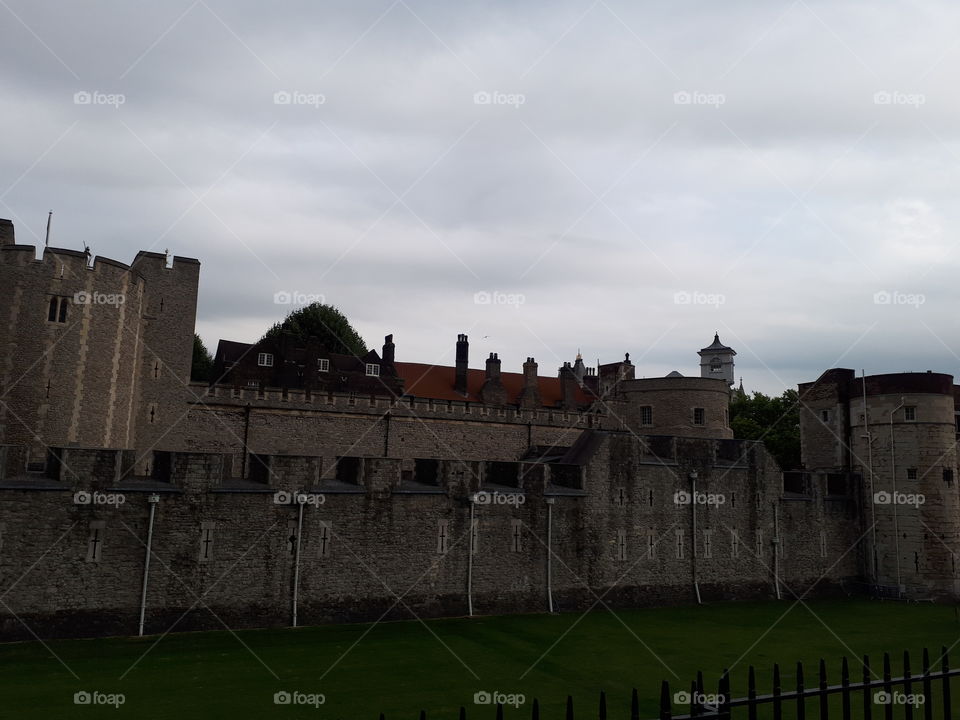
(463, 713)
(823, 697)
(570, 708)
(603, 705)
(666, 709)
(752, 694)
(634, 705)
(801, 697)
(867, 690)
(499, 711)
(535, 715)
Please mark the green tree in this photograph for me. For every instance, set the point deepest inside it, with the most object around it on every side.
(327, 323)
(202, 367)
(774, 420)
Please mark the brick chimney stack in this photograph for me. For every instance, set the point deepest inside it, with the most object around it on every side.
(6, 233)
(568, 387)
(463, 352)
(388, 350)
(530, 395)
(493, 391)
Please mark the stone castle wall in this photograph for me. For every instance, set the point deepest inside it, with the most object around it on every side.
(622, 536)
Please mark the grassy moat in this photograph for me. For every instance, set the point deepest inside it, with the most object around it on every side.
(400, 668)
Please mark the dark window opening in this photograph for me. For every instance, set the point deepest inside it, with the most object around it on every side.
(568, 476)
(836, 484)
(646, 415)
(729, 450)
(426, 472)
(162, 466)
(948, 475)
(699, 416)
(503, 473)
(348, 470)
(797, 483)
(63, 310)
(660, 446)
(910, 413)
(911, 473)
(259, 469)
(52, 314)
(54, 463)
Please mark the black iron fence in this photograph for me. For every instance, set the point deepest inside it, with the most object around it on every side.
(922, 696)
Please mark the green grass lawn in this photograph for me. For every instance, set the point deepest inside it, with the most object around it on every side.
(399, 668)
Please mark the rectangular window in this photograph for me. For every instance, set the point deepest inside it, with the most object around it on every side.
(373, 370)
(265, 360)
(57, 310)
(911, 473)
(516, 537)
(323, 365)
(910, 413)
(948, 475)
(699, 416)
(253, 383)
(708, 544)
(679, 544)
(734, 544)
(825, 415)
(646, 415)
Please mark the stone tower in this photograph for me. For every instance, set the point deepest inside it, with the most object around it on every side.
(716, 360)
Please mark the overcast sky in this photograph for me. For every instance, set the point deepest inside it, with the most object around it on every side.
(610, 176)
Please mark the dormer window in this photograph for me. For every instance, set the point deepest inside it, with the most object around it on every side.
(373, 370)
(265, 360)
(323, 365)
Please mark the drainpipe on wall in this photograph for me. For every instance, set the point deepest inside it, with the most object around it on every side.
(693, 541)
(873, 518)
(550, 502)
(301, 501)
(473, 501)
(893, 477)
(152, 500)
(776, 548)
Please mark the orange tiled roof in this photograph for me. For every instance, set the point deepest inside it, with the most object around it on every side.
(436, 382)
